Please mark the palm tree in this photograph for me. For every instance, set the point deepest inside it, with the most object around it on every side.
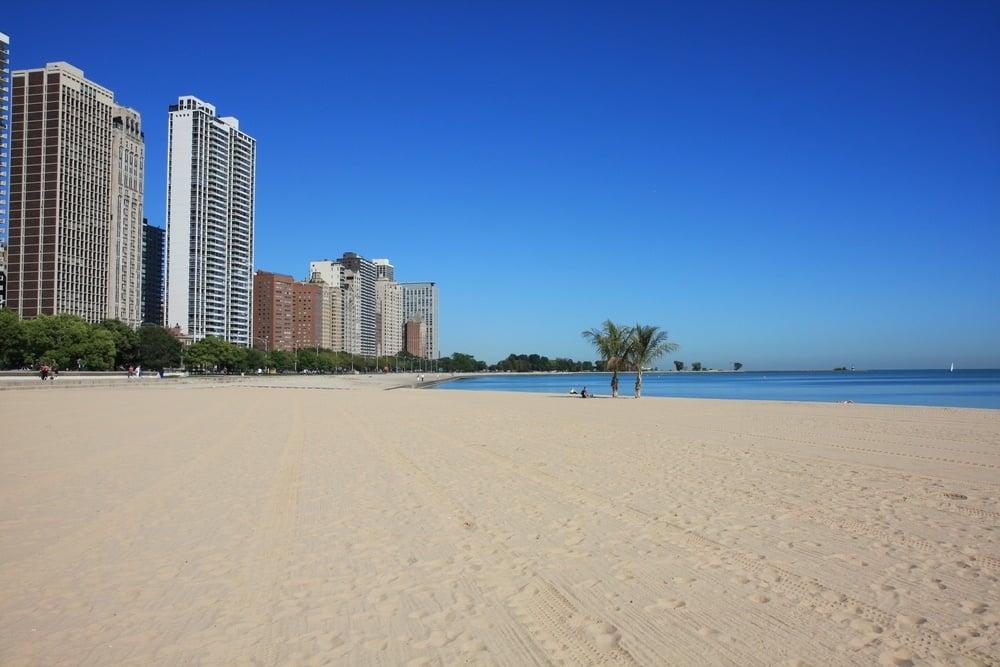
(612, 343)
(648, 343)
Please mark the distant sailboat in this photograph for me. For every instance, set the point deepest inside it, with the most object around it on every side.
(953, 367)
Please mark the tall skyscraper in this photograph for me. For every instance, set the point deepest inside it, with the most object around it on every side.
(388, 309)
(360, 275)
(4, 157)
(420, 304)
(153, 248)
(211, 190)
(128, 152)
(75, 208)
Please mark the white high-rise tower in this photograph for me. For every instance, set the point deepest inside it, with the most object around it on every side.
(211, 188)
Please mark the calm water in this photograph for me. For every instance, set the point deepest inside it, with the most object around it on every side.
(961, 388)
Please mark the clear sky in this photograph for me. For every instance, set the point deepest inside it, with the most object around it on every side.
(790, 185)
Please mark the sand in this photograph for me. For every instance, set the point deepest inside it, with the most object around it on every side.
(310, 521)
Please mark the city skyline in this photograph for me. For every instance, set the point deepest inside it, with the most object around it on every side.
(784, 186)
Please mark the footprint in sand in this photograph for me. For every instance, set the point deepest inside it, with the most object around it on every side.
(973, 606)
(898, 658)
(605, 634)
(911, 619)
(664, 604)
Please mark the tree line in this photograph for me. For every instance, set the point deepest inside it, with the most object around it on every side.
(69, 342)
(534, 363)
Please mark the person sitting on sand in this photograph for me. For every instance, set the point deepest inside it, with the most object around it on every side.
(584, 393)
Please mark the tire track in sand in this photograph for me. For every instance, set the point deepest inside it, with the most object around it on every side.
(920, 636)
(253, 615)
(538, 613)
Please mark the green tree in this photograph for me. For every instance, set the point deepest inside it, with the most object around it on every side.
(211, 353)
(461, 363)
(679, 365)
(308, 359)
(281, 360)
(12, 347)
(696, 366)
(256, 359)
(126, 341)
(157, 348)
(737, 365)
(98, 352)
(67, 341)
(648, 343)
(612, 344)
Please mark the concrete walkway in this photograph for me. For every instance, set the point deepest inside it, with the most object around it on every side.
(378, 381)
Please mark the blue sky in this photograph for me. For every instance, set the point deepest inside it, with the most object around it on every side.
(789, 185)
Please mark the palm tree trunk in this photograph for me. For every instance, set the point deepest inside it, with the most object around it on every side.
(614, 384)
(638, 383)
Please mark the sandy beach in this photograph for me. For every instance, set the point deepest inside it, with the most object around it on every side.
(330, 521)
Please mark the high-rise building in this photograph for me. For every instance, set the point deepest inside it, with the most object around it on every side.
(71, 199)
(414, 335)
(354, 277)
(307, 312)
(288, 315)
(360, 275)
(371, 314)
(4, 157)
(331, 275)
(211, 189)
(128, 152)
(152, 273)
(389, 316)
(388, 310)
(420, 304)
(273, 304)
(383, 269)
(329, 315)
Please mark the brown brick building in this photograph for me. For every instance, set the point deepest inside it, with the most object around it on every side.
(287, 314)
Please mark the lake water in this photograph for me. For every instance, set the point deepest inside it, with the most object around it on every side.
(961, 388)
